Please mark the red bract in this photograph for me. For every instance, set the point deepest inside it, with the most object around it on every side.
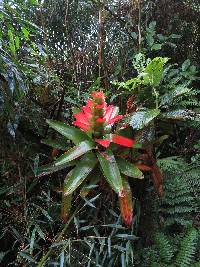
(97, 119)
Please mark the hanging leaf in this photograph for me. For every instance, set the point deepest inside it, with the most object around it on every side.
(75, 152)
(140, 119)
(129, 169)
(76, 176)
(70, 132)
(167, 98)
(110, 170)
(126, 204)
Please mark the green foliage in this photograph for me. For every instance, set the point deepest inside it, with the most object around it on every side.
(179, 254)
(49, 65)
(164, 247)
(182, 186)
(187, 249)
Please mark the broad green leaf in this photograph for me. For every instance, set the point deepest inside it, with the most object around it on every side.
(110, 170)
(65, 206)
(129, 169)
(74, 152)
(181, 114)
(70, 132)
(51, 168)
(142, 118)
(153, 72)
(58, 143)
(167, 98)
(76, 176)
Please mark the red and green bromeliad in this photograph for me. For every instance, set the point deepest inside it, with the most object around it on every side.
(93, 142)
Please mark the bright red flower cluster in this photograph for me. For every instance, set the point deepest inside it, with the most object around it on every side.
(97, 118)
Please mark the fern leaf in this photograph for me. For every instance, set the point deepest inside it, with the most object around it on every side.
(164, 247)
(187, 249)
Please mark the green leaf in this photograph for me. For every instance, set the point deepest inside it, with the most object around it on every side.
(26, 33)
(75, 152)
(186, 65)
(11, 42)
(142, 118)
(129, 169)
(17, 42)
(76, 176)
(51, 168)
(153, 72)
(110, 170)
(70, 132)
(58, 143)
(156, 47)
(167, 98)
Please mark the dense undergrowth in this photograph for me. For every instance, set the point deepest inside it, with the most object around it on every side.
(53, 55)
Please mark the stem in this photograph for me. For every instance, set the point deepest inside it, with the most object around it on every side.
(156, 96)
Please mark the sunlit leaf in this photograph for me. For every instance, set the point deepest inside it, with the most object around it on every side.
(140, 119)
(153, 72)
(110, 170)
(76, 176)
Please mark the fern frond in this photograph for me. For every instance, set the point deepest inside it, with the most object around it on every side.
(196, 264)
(178, 220)
(187, 249)
(164, 247)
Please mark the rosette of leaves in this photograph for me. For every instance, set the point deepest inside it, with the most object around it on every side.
(96, 147)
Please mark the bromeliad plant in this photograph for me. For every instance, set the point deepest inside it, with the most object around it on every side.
(98, 146)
